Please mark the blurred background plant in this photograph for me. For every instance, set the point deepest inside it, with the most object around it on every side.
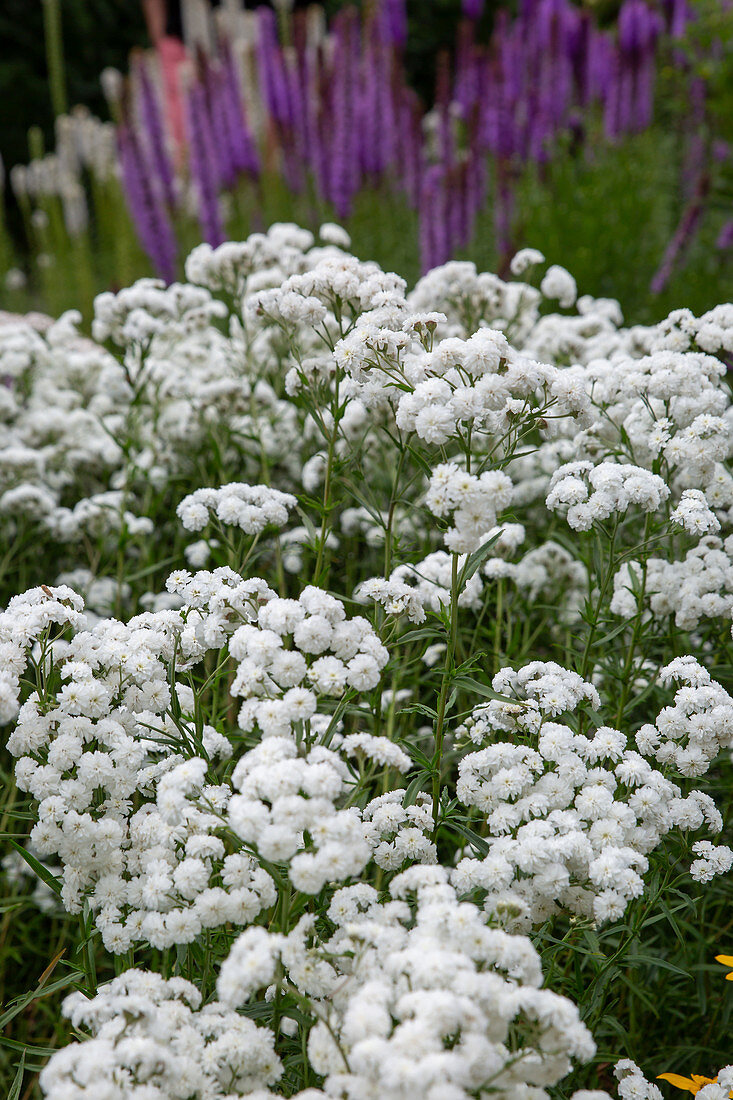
(599, 133)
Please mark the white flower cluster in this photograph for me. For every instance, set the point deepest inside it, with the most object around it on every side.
(690, 733)
(713, 332)
(97, 515)
(149, 308)
(560, 284)
(547, 574)
(667, 406)
(473, 501)
(399, 834)
(151, 1038)
(469, 300)
(694, 588)
(712, 860)
(396, 597)
(112, 735)
(694, 515)
(282, 250)
(444, 389)
(26, 618)
(58, 388)
(102, 754)
(592, 494)
(433, 1001)
(430, 580)
(283, 797)
(298, 650)
(632, 1084)
(251, 507)
(572, 817)
(333, 282)
(287, 811)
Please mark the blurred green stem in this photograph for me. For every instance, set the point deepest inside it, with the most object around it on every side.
(55, 55)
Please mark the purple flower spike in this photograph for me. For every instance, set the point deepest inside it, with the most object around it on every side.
(683, 234)
(638, 30)
(434, 248)
(678, 14)
(272, 74)
(147, 211)
(244, 152)
(725, 237)
(392, 22)
(344, 168)
(472, 9)
(203, 161)
(152, 121)
(218, 122)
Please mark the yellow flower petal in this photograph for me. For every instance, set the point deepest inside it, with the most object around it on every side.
(726, 960)
(679, 1082)
(693, 1084)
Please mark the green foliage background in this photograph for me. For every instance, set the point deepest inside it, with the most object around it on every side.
(96, 33)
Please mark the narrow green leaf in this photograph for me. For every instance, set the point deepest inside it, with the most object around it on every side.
(419, 708)
(35, 995)
(468, 683)
(17, 1080)
(13, 1044)
(414, 788)
(473, 838)
(475, 560)
(42, 872)
(611, 634)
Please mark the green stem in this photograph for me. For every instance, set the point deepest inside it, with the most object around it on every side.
(586, 664)
(497, 624)
(628, 664)
(90, 966)
(55, 55)
(443, 700)
(327, 484)
(390, 516)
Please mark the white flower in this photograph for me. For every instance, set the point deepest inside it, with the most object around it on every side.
(559, 283)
